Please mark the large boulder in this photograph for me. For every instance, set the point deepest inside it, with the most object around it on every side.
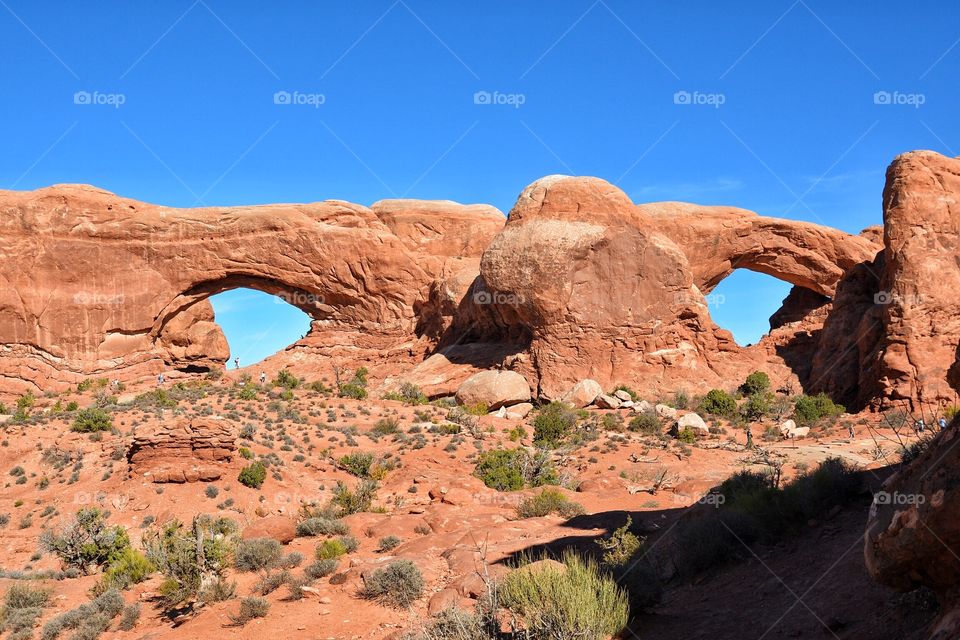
(494, 389)
(582, 394)
(693, 421)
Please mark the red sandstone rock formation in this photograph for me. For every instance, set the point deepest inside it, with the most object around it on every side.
(185, 451)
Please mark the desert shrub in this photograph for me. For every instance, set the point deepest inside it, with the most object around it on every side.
(286, 380)
(247, 391)
(756, 382)
(253, 475)
(91, 421)
(456, 624)
(718, 402)
(270, 582)
(810, 409)
(191, 557)
(129, 568)
(553, 423)
(131, 614)
(576, 602)
(321, 526)
(257, 554)
(687, 435)
(346, 501)
(22, 606)
(397, 585)
(355, 387)
(86, 541)
(501, 469)
(358, 463)
(330, 549)
(321, 568)
(647, 423)
(621, 546)
(408, 393)
(512, 469)
(549, 501)
(681, 400)
(211, 491)
(388, 543)
(385, 427)
(250, 608)
(89, 620)
(915, 449)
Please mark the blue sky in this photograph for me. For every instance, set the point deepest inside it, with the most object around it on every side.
(176, 104)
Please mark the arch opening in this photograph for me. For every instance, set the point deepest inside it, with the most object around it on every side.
(750, 304)
(257, 324)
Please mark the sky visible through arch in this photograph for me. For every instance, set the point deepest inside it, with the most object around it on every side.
(790, 108)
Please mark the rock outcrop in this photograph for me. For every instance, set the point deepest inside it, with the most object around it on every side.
(183, 451)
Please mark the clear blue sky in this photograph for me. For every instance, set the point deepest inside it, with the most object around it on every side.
(798, 133)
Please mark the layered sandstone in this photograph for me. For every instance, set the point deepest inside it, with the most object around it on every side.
(183, 450)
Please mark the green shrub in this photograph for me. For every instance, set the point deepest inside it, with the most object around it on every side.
(756, 382)
(347, 502)
(647, 423)
(397, 585)
(129, 568)
(408, 393)
(577, 601)
(245, 453)
(330, 549)
(251, 607)
(810, 409)
(501, 469)
(358, 463)
(621, 546)
(257, 554)
(286, 380)
(192, 557)
(687, 435)
(253, 475)
(86, 542)
(757, 405)
(549, 501)
(131, 614)
(356, 387)
(89, 620)
(385, 427)
(91, 421)
(718, 403)
(553, 423)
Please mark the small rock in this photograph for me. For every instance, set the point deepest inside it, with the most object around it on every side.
(582, 394)
(607, 402)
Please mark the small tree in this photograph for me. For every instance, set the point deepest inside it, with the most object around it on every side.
(718, 403)
(553, 423)
(756, 382)
(87, 542)
(92, 420)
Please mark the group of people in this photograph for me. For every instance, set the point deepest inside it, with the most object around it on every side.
(161, 377)
(920, 425)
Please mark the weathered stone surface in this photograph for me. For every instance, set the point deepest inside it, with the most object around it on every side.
(607, 402)
(693, 421)
(582, 394)
(183, 450)
(494, 389)
(283, 529)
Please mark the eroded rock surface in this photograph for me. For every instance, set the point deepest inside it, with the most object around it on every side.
(183, 450)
